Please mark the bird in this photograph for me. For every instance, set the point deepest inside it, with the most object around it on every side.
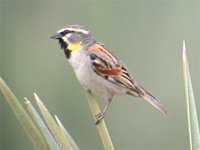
(98, 70)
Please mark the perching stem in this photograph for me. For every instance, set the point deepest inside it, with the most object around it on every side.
(101, 126)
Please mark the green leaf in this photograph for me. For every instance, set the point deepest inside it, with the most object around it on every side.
(65, 134)
(41, 126)
(63, 141)
(194, 134)
(26, 122)
(101, 126)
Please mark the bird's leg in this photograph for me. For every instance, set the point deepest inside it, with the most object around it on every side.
(101, 115)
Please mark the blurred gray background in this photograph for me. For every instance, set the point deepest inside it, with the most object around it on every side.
(147, 36)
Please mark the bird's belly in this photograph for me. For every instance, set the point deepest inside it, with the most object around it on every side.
(97, 84)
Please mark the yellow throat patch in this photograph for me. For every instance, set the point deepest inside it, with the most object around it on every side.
(74, 46)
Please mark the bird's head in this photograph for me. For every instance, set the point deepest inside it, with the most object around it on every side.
(72, 37)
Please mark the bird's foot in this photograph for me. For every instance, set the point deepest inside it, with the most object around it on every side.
(99, 117)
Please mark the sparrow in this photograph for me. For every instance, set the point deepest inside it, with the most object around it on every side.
(98, 69)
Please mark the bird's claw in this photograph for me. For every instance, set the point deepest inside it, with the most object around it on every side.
(99, 117)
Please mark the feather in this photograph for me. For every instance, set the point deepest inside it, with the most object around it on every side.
(140, 91)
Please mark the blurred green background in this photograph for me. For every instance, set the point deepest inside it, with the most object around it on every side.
(146, 35)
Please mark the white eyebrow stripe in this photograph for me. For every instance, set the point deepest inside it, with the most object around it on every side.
(82, 31)
(73, 29)
(61, 30)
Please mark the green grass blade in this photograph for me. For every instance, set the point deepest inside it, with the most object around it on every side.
(65, 134)
(41, 125)
(52, 125)
(26, 122)
(194, 134)
(102, 129)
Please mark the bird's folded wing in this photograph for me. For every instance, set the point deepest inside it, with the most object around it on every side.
(105, 64)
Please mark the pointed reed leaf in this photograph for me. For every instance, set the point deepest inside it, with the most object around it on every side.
(52, 125)
(41, 125)
(26, 122)
(65, 134)
(101, 126)
(193, 127)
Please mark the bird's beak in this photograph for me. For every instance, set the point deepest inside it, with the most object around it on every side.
(56, 36)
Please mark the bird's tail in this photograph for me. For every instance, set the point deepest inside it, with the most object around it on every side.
(149, 98)
(155, 102)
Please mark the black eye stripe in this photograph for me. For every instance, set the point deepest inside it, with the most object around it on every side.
(66, 32)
